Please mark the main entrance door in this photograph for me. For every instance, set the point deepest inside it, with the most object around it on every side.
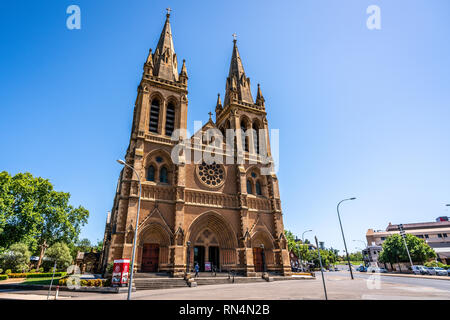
(257, 259)
(199, 257)
(150, 257)
(214, 257)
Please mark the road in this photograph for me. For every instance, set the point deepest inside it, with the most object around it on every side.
(339, 286)
(441, 284)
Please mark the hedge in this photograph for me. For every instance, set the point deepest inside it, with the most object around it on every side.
(36, 275)
(89, 283)
(3, 277)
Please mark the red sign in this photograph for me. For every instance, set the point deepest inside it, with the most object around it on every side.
(120, 273)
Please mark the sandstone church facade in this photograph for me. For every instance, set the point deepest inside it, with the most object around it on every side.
(226, 214)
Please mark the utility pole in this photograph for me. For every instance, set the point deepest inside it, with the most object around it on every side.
(321, 269)
(402, 233)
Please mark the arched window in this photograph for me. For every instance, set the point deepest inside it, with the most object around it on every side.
(163, 175)
(151, 173)
(170, 119)
(249, 187)
(255, 138)
(258, 188)
(154, 116)
(244, 136)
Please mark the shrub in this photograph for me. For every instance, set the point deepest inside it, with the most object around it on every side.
(3, 277)
(110, 268)
(41, 270)
(32, 271)
(107, 282)
(434, 264)
(61, 253)
(1, 270)
(16, 257)
(17, 275)
(45, 275)
(8, 271)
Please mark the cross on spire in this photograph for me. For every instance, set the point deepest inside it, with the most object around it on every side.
(210, 115)
(168, 11)
(234, 37)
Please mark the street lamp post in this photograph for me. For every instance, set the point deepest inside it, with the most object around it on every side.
(303, 242)
(343, 237)
(130, 284)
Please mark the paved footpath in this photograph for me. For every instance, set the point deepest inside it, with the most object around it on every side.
(339, 286)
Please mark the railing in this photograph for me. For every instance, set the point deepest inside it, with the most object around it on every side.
(211, 199)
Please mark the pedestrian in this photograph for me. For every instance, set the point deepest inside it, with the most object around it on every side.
(196, 268)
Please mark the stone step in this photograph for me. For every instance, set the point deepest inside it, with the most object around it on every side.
(154, 283)
(151, 275)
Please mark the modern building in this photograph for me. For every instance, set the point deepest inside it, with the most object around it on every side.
(436, 234)
(227, 215)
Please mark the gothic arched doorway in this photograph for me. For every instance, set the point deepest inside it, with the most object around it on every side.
(153, 252)
(213, 242)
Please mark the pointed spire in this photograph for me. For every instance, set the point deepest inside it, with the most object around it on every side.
(237, 81)
(259, 97)
(165, 58)
(183, 74)
(148, 65)
(218, 105)
(183, 68)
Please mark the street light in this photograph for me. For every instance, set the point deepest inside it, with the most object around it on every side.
(135, 230)
(303, 234)
(303, 242)
(343, 237)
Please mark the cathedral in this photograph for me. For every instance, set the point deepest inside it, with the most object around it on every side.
(222, 215)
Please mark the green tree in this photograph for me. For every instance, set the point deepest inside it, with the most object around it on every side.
(356, 256)
(99, 247)
(61, 253)
(16, 258)
(35, 214)
(394, 250)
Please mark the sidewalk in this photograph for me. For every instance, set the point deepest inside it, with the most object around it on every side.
(410, 275)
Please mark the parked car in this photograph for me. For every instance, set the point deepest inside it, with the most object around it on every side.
(440, 271)
(361, 269)
(418, 269)
(431, 271)
(376, 270)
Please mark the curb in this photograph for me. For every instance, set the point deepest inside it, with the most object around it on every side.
(61, 288)
(415, 276)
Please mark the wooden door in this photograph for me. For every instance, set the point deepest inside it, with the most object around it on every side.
(150, 257)
(257, 259)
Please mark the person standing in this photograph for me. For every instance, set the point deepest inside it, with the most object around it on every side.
(196, 268)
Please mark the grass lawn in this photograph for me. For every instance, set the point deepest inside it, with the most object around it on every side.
(41, 281)
(354, 263)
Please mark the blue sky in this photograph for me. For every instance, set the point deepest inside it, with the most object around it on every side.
(361, 112)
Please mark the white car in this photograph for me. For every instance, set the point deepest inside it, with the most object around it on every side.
(440, 271)
(419, 269)
(376, 270)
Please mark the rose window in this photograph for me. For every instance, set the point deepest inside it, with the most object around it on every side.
(212, 175)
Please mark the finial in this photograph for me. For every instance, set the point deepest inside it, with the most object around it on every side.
(210, 115)
(168, 11)
(234, 37)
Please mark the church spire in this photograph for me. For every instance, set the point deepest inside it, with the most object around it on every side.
(259, 97)
(238, 85)
(219, 107)
(165, 58)
(183, 74)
